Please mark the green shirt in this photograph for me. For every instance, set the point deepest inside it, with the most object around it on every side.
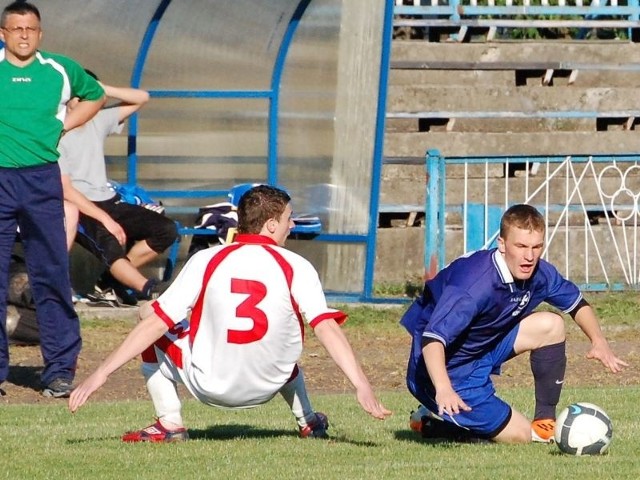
(33, 106)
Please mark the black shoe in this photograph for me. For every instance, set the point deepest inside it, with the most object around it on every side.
(431, 426)
(317, 429)
(59, 388)
(107, 282)
(102, 298)
(125, 297)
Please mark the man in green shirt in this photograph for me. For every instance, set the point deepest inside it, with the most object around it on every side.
(34, 89)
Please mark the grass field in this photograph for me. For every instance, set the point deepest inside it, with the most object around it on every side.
(41, 440)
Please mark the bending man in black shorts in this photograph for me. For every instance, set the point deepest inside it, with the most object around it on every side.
(123, 236)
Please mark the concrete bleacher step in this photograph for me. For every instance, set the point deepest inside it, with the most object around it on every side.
(605, 52)
(437, 101)
(550, 125)
(509, 143)
(512, 77)
(402, 185)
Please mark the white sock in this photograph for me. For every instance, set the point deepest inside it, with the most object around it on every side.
(164, 394)
(294, 393)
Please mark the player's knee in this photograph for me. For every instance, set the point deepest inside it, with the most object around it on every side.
(163, 236)
(543, 328)
(111, 251)
(552, 327)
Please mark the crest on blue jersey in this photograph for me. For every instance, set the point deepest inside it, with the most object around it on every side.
(524, 301)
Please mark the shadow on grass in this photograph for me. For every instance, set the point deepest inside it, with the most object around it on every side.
(231, 432)
(27, 377)
(235, 432)
(410, 436)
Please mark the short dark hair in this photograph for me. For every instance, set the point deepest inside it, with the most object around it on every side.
(258, 205)
(18, 8)
(522, 216)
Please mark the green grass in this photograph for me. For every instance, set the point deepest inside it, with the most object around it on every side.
(45, 441)
(48, 442)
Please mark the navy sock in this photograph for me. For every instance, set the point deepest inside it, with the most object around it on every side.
(548, 365)
(146, 290)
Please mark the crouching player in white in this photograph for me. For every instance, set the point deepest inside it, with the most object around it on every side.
(246, 304)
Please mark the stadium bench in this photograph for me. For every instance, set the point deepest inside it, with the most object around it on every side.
(547, 69)
(627, 116)
(407, 213)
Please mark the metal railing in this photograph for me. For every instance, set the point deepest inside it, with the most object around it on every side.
(591, 206)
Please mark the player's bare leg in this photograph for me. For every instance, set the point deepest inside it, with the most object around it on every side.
(518, 430)
(538, 330)
(71, 215)
(127, 274)
(141, 254)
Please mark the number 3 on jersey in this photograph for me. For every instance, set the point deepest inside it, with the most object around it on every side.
(256, 291)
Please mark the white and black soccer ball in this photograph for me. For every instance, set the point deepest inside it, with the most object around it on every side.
(583, 429)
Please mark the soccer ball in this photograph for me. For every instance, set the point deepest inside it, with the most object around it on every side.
(583, 429)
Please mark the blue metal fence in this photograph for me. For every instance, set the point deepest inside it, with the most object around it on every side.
(591, 205)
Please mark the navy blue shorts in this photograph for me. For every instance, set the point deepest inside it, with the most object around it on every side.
(472, 382)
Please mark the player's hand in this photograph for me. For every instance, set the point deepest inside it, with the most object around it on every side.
(116, 230)
(449, 402)
(601, 351)
(83, 391)
(371, 405)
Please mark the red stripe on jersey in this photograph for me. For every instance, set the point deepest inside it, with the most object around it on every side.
(149, 355)
(166, 344)
(163, 316)
(338, 316)
(171, 350)
(255, 239)
(196, 313)
(287, 269)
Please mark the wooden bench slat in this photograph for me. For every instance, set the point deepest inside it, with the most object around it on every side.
(504, 65)
(518, 114)
(509, 23)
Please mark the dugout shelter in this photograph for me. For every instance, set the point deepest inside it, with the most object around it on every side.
(287, 92)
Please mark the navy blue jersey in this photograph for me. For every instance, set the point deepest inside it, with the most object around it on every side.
(474, 302)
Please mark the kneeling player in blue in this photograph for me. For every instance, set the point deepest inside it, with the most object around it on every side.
(476, 314)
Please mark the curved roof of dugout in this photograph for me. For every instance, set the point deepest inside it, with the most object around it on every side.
(181, 50)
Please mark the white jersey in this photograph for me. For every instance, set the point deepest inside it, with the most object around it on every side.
(247, 303)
